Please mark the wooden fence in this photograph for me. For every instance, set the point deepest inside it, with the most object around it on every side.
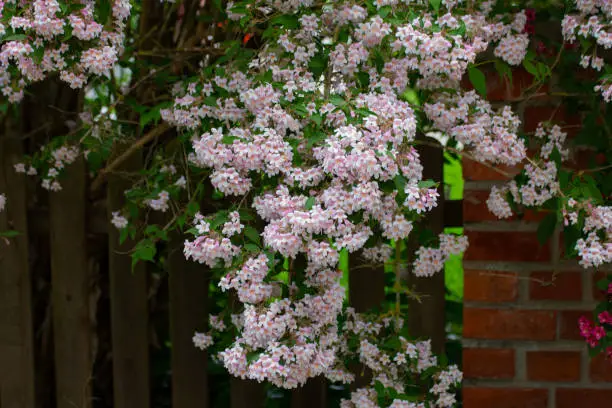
(65, 279)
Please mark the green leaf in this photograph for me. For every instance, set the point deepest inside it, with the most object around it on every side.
(435, 4)
(317, 65)
(37, 56)
(15, 37)
(220, 219)
(503, 70)
(251, 247)
(252, 234)
(411, 96)
(210, 101)
(309, 203)
(400, 183)
(180, 221)
(556, 157)
(427, 184)
(123, 235)
(245, 215)
(531, 68)
(603, 284)
(337, 100)
(547, 228)
(153, 114)
(145, 251)
(571, 234)
(478, 80)
(229, 140)
(104, 11)
(564, 177)
(9, 234)
(591, 190)
(543, 69)
(192, 208)
(364, 79)
(384, 11)
(289, 21)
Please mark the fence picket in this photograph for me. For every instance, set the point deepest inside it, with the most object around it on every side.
(312, 395)
(366, 290)
(129, 307)
(246, 394)
(188, 313)
(70, 280)
(16, 341)
(426, 317)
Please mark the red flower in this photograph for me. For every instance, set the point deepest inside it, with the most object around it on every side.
(529, 29)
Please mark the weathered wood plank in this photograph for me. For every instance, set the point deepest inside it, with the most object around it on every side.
(246, 394)
(188, 313)
(70, 280)
(453, 213)
(129, 306)
(312, 395)
(16, 342)
(426, 317)
(366, 290)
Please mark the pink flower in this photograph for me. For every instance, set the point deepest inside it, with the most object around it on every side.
(591, 333)
(605, 317)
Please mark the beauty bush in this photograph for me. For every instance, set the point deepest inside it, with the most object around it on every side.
(309, 144)
(46, 37)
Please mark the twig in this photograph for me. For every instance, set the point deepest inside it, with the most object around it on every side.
(155, 132)
(464, 153)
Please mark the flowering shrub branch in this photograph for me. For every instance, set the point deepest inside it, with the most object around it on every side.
(307, 145)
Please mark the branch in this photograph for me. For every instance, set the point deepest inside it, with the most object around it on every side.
(155, 132)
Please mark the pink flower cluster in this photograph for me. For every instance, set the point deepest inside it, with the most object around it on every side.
(592, 20)
(490, 136)
(161, 203)
(397, 368)
(118, 220)
(209, 247)
(541, 176)
(55, 160)
(595, 248)
(591, 332)
(320, 156)
(430, 261)
(68, 41)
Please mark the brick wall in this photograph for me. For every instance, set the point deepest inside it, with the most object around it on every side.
(522, 348)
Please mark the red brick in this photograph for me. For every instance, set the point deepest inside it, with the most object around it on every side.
(490, 286)
(568, 323)
(481, 397)
(551, 286)
(488, 363)
(582, 159)
(474, 171)
(600, 369)
(509, 324)
(553, 365)
(475, 209)
(535, 114)
(506, 246)
(583, 397)
(502, 89)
